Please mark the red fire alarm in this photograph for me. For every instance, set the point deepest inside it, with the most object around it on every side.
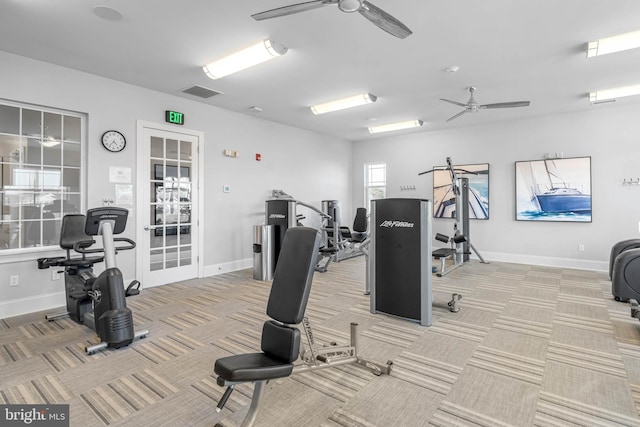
(258, 157)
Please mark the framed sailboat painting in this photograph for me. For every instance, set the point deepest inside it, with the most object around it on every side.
(554, 190)
(444, 198)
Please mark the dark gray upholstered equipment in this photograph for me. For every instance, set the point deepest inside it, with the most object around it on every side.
(620, 247)
(287, 303)
(360, 228)
(359, 233)
(625, 282)
(72, 234)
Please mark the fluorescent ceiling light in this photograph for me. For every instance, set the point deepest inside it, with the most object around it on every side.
(613, 44)
(614, 93)
(341, 104)
(396, 126)
(253, 55)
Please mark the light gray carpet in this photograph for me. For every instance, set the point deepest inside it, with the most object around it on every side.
(530, 346)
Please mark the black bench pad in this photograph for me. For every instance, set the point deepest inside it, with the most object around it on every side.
(442, 253)
(251, 367)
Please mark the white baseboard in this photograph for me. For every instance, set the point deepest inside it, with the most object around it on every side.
(28, 305)
(226, 267)
(578, 264)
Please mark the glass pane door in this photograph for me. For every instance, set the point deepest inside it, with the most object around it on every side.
(170, 245)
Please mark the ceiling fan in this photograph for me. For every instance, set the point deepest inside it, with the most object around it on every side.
(472, 106)
(373, 13)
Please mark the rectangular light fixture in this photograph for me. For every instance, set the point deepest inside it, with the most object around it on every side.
(253, 55)
(396, 126)
(613, 44)
(341, 104)
(619, 92)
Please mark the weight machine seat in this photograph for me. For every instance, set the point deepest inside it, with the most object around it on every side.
(280, 343)
(360, 229)
(443, 253)
(620, 247)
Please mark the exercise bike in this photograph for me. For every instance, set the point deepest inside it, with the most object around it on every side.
(97, 302)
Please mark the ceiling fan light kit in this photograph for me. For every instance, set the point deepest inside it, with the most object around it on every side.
(344, 103)
(245, 58)
(409, 124)
(613, 44)
(374, 14)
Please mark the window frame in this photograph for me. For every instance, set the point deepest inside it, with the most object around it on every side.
(369, 184)
(10, 255)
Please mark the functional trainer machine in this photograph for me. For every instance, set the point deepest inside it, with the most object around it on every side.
(97, 302)
(462, 231)
(280, 342)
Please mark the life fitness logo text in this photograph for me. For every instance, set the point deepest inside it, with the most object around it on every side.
(396, 224)
(277, 216)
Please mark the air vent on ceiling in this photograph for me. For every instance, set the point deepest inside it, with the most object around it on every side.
(201, 91)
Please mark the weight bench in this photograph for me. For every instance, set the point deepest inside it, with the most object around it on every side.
(443, 253)
(280, 342)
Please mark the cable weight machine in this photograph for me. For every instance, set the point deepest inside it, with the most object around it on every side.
(462, 233)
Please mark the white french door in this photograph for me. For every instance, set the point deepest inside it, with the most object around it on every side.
(169, 236)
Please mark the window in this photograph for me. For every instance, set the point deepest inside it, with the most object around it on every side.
(375, 182)
(40, 174)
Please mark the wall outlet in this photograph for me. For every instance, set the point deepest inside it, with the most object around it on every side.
(581, 248)
(55, 275)
(14, 280)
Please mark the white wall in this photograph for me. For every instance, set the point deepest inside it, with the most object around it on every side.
(309, 166)
(608, 133)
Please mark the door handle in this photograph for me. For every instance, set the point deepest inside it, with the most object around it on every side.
(146, 228)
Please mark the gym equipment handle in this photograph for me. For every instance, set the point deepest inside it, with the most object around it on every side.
(81, 246)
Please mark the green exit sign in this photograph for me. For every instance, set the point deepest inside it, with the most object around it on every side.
(174, 117)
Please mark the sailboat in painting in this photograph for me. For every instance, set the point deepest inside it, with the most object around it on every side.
(446, 208)
(559, 196)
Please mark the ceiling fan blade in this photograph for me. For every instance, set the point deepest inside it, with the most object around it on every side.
(506, 104)
(453, 102)
(291, 9)
(457, 115)
(384, 21)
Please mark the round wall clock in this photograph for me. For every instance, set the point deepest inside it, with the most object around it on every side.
(113, 141)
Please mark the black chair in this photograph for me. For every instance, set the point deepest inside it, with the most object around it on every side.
(360, 226)
(280, 341)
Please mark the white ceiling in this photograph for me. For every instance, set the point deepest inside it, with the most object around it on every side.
(511, 50)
